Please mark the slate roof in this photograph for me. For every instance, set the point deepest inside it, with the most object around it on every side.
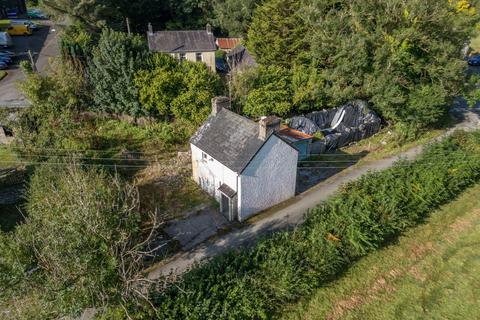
(230, 139)
(239, 57)
(226, 190)
(181, 41)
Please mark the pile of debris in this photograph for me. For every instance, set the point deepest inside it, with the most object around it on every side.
(340, 126)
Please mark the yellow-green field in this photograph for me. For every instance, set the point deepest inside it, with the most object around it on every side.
(432, 272)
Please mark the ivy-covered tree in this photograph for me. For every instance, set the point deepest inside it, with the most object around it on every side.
(112, 70)
(277, 34)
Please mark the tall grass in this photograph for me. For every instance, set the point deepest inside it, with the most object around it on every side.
(254, 283)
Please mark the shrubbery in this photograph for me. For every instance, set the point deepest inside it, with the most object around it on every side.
(364, 215)
(78, 243)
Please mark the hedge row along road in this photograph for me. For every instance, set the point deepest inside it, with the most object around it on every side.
(292, 212)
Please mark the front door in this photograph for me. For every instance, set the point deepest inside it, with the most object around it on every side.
(225, 206)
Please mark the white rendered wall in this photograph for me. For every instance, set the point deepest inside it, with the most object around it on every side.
(207, 57)
(269, 179)
(210, 174)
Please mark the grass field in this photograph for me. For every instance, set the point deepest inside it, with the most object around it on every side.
(7, 157)
(432, 272)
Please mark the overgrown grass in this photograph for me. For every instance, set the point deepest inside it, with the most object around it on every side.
(475, 44)
(365, 215)
(432, 272)
(8, 157)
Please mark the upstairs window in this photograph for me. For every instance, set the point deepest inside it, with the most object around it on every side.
(204, 156)
(198, 57)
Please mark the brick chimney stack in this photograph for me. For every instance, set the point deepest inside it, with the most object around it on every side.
(218, 103)
(150, 29)
(209, 28)
(267, 125)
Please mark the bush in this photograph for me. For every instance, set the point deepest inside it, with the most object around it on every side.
(78, 240)
(364, 215)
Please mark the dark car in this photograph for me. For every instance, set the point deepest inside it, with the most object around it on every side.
(3, 65)
(474, 61)
(5, 59)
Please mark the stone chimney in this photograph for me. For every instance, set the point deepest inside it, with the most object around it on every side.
(267, 125)
(209, 28)
(150, 29)
(218, 103)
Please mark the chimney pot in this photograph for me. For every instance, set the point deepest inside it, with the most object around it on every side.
(209, 28)
(218, 103)
(150, 29)
(267, 125)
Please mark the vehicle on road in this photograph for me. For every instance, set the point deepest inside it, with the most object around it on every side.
(12, 13)
(474, 61)
(27, 23)
(3, 66)
(19, 30)
(36, 14)
(6, 59)
(5, 40)
(7, 53)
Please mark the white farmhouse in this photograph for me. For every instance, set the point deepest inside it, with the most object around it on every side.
(245, 165)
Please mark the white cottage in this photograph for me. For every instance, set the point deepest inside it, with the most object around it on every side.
(245, 165)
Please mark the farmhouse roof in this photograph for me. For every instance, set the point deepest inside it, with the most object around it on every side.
(230, 139)
(181, 41)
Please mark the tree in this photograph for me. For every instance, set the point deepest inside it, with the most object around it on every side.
(234, 16)
(277, 34)
(270, 93)
(112, 69)
(182, 90)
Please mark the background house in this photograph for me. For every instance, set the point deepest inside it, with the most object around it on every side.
(192, 45)
(245, 165)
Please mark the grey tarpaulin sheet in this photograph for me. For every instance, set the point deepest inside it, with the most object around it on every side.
(358, 123)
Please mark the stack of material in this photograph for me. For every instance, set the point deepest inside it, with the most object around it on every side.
(341, 126)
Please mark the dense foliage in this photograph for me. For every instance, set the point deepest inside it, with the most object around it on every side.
(78, 243)
(402, 56)
(364, 215)
(180, 90)
(234, 16)
(115, 61)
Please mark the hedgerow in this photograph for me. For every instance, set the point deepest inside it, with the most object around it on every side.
(257, 282)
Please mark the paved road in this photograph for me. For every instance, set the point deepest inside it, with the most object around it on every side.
(44, 44)
(292, 213)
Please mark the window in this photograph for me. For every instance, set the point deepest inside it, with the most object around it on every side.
(198, 57)
(204, 156)
(182, 56)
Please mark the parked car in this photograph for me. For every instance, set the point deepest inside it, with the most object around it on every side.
(19, 30)
(3, 66)
(12, 13)
(7, 53)
(5, 40)
(36, 14)
(27, 23)
(5, 59)
(474, 61)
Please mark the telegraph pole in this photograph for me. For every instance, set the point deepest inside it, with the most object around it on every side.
(128, 26)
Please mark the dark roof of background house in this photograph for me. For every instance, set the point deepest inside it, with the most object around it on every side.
(181, 41)
(239, 57)
(229, 138)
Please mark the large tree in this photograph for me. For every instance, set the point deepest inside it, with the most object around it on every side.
(115, 61)
(234, 16)
(277, 33)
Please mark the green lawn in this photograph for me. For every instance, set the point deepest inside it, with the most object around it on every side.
(432, 272)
